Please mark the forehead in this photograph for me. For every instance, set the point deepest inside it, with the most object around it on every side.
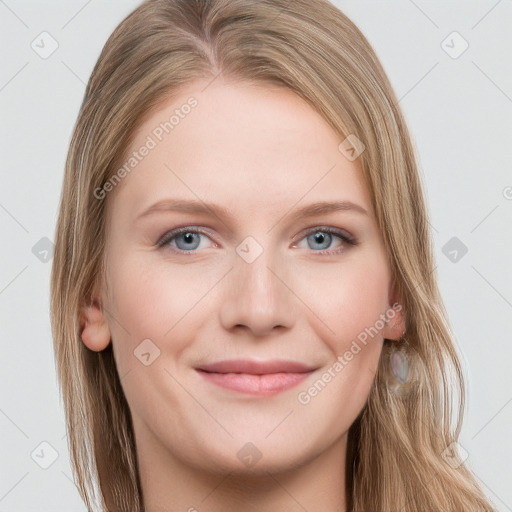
(248, 147)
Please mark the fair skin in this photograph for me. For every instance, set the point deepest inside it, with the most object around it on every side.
(262, 153)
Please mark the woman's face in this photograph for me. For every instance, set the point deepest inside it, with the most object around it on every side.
(258, 275)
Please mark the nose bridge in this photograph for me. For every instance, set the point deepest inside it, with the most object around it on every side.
(257, 297)
(254, 272)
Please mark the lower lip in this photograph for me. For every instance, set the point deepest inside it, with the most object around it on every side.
(267, 384)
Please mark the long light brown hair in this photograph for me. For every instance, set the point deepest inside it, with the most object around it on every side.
(395, 455)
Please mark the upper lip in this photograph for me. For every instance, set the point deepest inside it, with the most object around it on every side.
(255, 367)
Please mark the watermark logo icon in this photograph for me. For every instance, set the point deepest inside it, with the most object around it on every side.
(249, 249)
(454, 249)
(249, 454)
(146, 352)
(44, 455)
(43, 250)
(351, 147)
(454, 45)
(454, 455)
(44, 45)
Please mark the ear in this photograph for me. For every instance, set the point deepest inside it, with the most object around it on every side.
(94, 328)
(395, 326)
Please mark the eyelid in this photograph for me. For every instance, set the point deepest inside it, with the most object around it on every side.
(343, 234)
(169, 235)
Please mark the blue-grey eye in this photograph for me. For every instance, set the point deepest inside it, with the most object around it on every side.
(183, 239)
(320, 237)
(190, 240)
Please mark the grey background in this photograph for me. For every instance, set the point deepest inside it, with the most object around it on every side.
(459, 111)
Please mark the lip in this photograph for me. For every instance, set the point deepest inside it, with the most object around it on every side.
(255, 377)
(256, 367)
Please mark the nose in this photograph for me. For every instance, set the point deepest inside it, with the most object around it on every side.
(258, 296)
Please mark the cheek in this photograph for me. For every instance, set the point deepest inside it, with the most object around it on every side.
(348, 301)
(149, 302)
(156, 301)
(351, 307)
(142, 307)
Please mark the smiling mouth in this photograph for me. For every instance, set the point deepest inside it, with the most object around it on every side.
(256, 377)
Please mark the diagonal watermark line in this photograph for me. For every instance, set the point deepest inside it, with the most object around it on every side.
(14, 486)
(14, 76)
(300, 199)
(198, 402)
(425, 487)
(76, 14)
(115, 320)
(69, 478)
(418, 82)
(486, 14)
(211, 81)
(205, 205)
(73, 73)
(280, 423)
(13, 13)
(494, 209)
(432, 226)
(423, 280)
(286, 491)
(199, 300)
(492, 81)
(12, 280)
(301, 300)
(217, 486)
(508, 401)
(71, 429)
(424, 14)
(282, 10)
(121, 378)
(494, 288)
(490, 490)
(14, 423)
(13, 218)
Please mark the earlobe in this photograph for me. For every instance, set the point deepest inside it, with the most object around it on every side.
(395, 326)
(94, 327)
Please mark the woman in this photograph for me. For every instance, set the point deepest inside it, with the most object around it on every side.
(211, 355)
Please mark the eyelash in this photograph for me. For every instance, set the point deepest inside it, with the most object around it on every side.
(345, 237)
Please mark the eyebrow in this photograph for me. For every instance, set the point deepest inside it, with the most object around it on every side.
(193, 206)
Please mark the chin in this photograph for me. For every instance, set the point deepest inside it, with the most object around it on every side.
(253, 459)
